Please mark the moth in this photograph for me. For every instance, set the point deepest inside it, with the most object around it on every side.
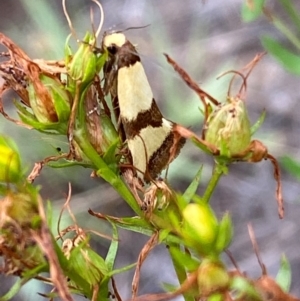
(152, 140)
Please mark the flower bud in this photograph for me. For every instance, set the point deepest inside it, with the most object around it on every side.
(10, 162)
(200, 226)
(212, 277)
(84, 65)
(228, 127)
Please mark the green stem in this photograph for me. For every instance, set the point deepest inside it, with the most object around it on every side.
(217, 173)
(104, 171)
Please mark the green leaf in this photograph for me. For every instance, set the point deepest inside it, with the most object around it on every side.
(292, 11)
(289, 60)
(258, 123)
(245, 288)
(291, 165)
(251, 10)
(191, 190)
(225, 233)
(13, 290)
(163, 234)
(49, 214)
(284, 275)
(134, 224)
(122, 270)
(30, 274)
(182, 261)
(113, 249)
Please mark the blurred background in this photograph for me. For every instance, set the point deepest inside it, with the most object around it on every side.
(206, 38)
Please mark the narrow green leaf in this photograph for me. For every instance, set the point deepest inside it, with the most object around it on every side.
(30, 274)
(13, 291)
(168, 287)
(284, 275)
(258, 123)
(291, 165)
(163, 234)
(183, 259)
(49, 214)
(251, 10)
(292, 11)
(180, 260)
(191, 190)
(122, 270)
(113, 249)
(135, 224)
(242, 286)
(289, 60)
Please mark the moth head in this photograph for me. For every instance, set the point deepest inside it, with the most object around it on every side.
(112, 42)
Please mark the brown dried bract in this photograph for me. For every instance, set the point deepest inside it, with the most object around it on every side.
(19, 70)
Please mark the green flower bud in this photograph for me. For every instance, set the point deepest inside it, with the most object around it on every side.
(225, 233)
(10, 162)
(228, 127)
(200, 226)
(212, 277)
(84, 65)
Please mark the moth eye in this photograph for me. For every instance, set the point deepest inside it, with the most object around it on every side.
(112, 49)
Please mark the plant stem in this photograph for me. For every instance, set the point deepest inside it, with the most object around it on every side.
(104, 171)
(217, 173)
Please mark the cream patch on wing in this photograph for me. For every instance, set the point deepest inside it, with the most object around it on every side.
(116, 38)
(134, 92)
(146, 143)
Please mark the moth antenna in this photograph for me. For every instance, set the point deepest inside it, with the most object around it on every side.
(134, 27)
(92, 21)
(68, 19)
(101, 18)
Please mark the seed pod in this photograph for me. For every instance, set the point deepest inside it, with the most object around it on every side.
(228, 127)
